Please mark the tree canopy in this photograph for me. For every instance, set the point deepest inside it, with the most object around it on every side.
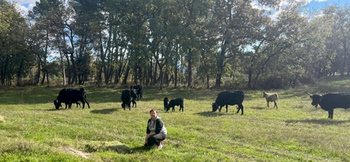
(208, 43)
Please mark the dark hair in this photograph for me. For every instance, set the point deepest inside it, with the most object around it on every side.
(153, 110)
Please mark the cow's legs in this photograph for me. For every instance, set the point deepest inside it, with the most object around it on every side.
(240, 107)
(226, 108)
(275, 102)
(87, 103)
(181, 108)
(268, 104)
(330, 113)
(133, 103)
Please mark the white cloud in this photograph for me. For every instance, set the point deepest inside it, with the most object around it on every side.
(23, 6)
(23, 1)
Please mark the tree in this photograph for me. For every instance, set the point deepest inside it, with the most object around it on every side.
(15, 59)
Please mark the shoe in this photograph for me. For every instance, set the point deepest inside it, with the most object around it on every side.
(160, 147)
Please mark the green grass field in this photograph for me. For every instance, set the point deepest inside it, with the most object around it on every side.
(31, 130)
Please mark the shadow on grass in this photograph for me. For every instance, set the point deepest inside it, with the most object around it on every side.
(318, 121)
(258, 108)
(214, 114)
(53, 109)
(122, 149)
(141, 149)
(104, 111)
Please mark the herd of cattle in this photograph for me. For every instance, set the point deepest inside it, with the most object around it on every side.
(328, 102)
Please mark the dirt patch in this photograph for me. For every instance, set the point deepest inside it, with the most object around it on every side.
(76, 152)
(99, 146)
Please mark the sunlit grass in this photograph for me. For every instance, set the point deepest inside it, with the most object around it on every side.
(31, 130)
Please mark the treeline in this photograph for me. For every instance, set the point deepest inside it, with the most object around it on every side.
(208, 43)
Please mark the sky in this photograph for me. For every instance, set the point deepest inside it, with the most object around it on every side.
(25, 5)
(319, 4)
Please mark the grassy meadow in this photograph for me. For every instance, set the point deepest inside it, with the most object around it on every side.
(32, 130)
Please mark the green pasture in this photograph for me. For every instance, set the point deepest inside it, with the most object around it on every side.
(31, 130)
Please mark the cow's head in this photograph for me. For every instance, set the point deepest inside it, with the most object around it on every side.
(166, 103)
(316, 99)
(168, 107)
(214, 106)
(133, 93)
(57, 104)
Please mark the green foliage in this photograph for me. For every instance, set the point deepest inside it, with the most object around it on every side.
(173, 43)
(296, 131)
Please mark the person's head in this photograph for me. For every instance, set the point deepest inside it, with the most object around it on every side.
(153, 113)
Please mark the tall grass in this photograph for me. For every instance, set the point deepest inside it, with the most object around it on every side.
(31, 130)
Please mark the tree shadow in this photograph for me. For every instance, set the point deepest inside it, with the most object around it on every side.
(318, 121)
(213, 114)
(104, 111)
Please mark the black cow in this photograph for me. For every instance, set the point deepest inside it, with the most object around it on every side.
(176, 102)
(229, 98)
(138, 91)
(69, 96)
(330, 101)
(77, 104)
(166, 103)
(127, 97)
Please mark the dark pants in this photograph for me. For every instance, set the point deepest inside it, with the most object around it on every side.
(156, 139)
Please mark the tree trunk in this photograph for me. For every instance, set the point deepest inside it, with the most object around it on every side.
(38, 73)
(175, 79)
(155, 69)
(250, 74)
(149, 78)
(3, 71)
(126, 75)
(74, 77)
(220, 65)
(189, 70)
(208, 84)
(117, 74)
(63, 69)
(161, 78)
(19, 72)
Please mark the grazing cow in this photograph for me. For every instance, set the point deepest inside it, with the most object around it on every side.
(176, 102)
(271, 97)
(330, 101)
(166, 103)
(138, 91)
(69, 96)
(229, 98)
(77, 104)
(127, 97)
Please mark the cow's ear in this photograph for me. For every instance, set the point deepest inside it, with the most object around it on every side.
(310, 95)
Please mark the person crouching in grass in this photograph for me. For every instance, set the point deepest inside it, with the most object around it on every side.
(156, 131)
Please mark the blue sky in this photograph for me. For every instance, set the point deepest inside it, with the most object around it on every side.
(319, 5)
(25, 5)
